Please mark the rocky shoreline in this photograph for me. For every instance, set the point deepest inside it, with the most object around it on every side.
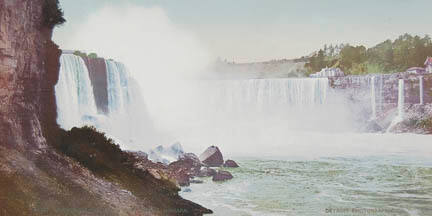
(187, 167)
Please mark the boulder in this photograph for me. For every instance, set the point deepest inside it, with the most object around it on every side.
(186, 167)
(206, 172)
(212, 157)
(222, 176)
(196, 181)
(230, 163)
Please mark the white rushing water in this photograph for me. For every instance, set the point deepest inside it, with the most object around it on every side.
(127, 120)
(74, 93)
(401, 105)
(247, 114)
(373, 99)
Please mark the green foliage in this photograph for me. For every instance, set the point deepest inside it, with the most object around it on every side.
(386, 57)
(84, 55)
(53, 14)
(351, 57)
(92, 55)
(425, 124)
(105, 159)
(92, 149)
(81, 54)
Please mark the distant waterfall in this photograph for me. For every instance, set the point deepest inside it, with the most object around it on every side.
(401, 106)
(265, 94)
(74, 93)
(373, 98)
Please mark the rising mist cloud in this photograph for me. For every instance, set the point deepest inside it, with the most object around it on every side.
(144, 39)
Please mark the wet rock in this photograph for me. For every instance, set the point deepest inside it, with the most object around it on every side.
(196, 181)
(182, 179)
(206, 172)
(231, 163)
(222, 176)
(212, 157)
(185, 168)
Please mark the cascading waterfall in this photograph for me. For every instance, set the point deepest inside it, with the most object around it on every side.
(126, 122)
(401, 105)
(74, 93)
(373, 99)
(118, 88)
(263, 94)
(127, 113)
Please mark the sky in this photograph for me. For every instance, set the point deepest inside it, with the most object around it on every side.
(260, 30)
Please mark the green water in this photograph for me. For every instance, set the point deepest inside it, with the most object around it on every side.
(327, 186)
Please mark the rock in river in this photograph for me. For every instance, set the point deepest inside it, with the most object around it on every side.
(230, 163)
(222, 176)
(212, 157)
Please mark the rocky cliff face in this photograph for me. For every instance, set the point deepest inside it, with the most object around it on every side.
(36, 179)
(26, 79)
(384, 91)
(98, 76)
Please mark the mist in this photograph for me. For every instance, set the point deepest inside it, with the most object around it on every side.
(244, 117)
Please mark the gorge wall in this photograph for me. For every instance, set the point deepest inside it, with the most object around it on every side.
(36, 178)
(379, 94)
(28, 72)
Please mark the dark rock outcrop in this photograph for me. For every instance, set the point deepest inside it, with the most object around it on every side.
(231, 164)
(98, 76)
(206, 172)
(222, 176)
(212, 157)
(185, 168)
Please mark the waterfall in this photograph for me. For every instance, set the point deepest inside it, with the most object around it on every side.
(401, 106)
(118, 91)
(74, 93)
(264, 94)
(373, 99)
(421, 90)
(127, 120)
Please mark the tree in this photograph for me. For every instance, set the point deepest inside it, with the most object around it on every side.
(92, 55)
(52, 14)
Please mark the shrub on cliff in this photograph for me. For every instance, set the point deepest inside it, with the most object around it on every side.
(53, 14)
(92, 55)
(92, 149)
(104, 158)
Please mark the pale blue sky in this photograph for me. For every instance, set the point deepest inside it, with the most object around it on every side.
(256, 30)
